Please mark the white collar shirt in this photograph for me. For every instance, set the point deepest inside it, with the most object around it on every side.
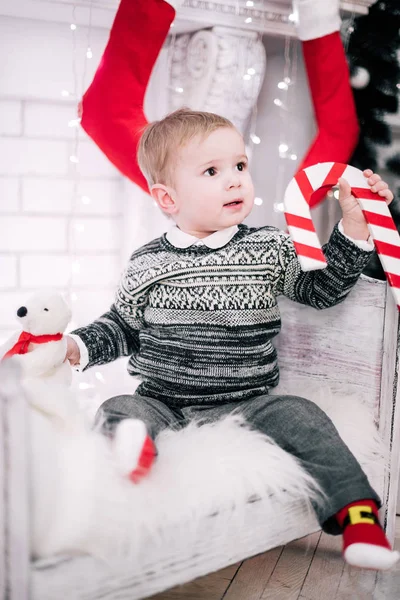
(218, 239)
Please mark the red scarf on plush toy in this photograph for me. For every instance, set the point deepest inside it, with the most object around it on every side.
(22, 344)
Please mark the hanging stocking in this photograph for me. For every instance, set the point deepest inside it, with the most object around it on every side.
(112, 107)
(329, 82)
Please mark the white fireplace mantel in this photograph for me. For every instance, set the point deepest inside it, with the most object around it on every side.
(270, 17)
(267, 17)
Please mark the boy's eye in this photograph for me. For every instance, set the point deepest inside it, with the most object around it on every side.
(241, 166)
(210, 171)
(46, 309)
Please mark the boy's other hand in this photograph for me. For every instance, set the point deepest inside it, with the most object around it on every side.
(354, 223)
(73, 352)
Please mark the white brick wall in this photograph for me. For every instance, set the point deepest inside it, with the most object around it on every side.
(39, 57)
(21, 233)
(10, 117)
(38, 270)
(8, 271)
(103, 197)
(10, 301)
(92, 162)
(60, 224)
(21, 156)
(9, 194)
(85, 271)
(47, 195)
(87, 303)
(47, 120)
(96, 234)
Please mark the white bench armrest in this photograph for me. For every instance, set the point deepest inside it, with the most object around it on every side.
(14, 487)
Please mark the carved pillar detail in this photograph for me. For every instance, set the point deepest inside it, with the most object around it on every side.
(219, 70)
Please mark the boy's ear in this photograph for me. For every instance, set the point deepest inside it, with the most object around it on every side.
(163, 195)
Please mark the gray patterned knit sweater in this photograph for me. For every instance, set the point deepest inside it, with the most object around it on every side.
(198, 323)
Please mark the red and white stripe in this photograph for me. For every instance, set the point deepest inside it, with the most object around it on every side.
(380, 222)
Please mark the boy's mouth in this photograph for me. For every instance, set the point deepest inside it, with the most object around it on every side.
(236, 202)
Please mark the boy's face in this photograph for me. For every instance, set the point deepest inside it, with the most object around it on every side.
(212, 188)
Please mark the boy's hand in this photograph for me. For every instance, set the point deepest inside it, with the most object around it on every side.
(354, 223)
(73, 352)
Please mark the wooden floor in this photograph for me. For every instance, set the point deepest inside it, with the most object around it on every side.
(309, 569)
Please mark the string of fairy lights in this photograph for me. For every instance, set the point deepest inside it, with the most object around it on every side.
(74, 225)
(284, 87)
(348, 30)
(283, 101)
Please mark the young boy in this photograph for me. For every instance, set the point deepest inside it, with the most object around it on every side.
(196, 311)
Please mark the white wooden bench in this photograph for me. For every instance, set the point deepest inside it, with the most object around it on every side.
(353, 347)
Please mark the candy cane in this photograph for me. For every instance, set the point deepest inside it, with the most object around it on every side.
(380, 222)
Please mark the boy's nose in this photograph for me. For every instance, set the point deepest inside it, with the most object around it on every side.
(234, 181)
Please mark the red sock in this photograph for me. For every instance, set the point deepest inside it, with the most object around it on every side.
(360, 524)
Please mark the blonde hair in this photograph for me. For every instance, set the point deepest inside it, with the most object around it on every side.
(161, 140)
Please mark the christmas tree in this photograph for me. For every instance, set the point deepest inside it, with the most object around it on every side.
(373, 43)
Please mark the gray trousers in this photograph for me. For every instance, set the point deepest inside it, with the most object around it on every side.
(297, 425)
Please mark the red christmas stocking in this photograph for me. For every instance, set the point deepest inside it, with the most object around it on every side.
(329, 82)
(112, 107)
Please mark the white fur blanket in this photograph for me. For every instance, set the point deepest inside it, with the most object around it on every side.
(80, 503)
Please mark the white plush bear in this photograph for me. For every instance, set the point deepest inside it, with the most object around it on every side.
(40, 348)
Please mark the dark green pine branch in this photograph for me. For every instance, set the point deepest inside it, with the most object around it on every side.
(374, 45)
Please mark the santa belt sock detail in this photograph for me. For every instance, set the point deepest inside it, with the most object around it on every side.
(365, 544)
